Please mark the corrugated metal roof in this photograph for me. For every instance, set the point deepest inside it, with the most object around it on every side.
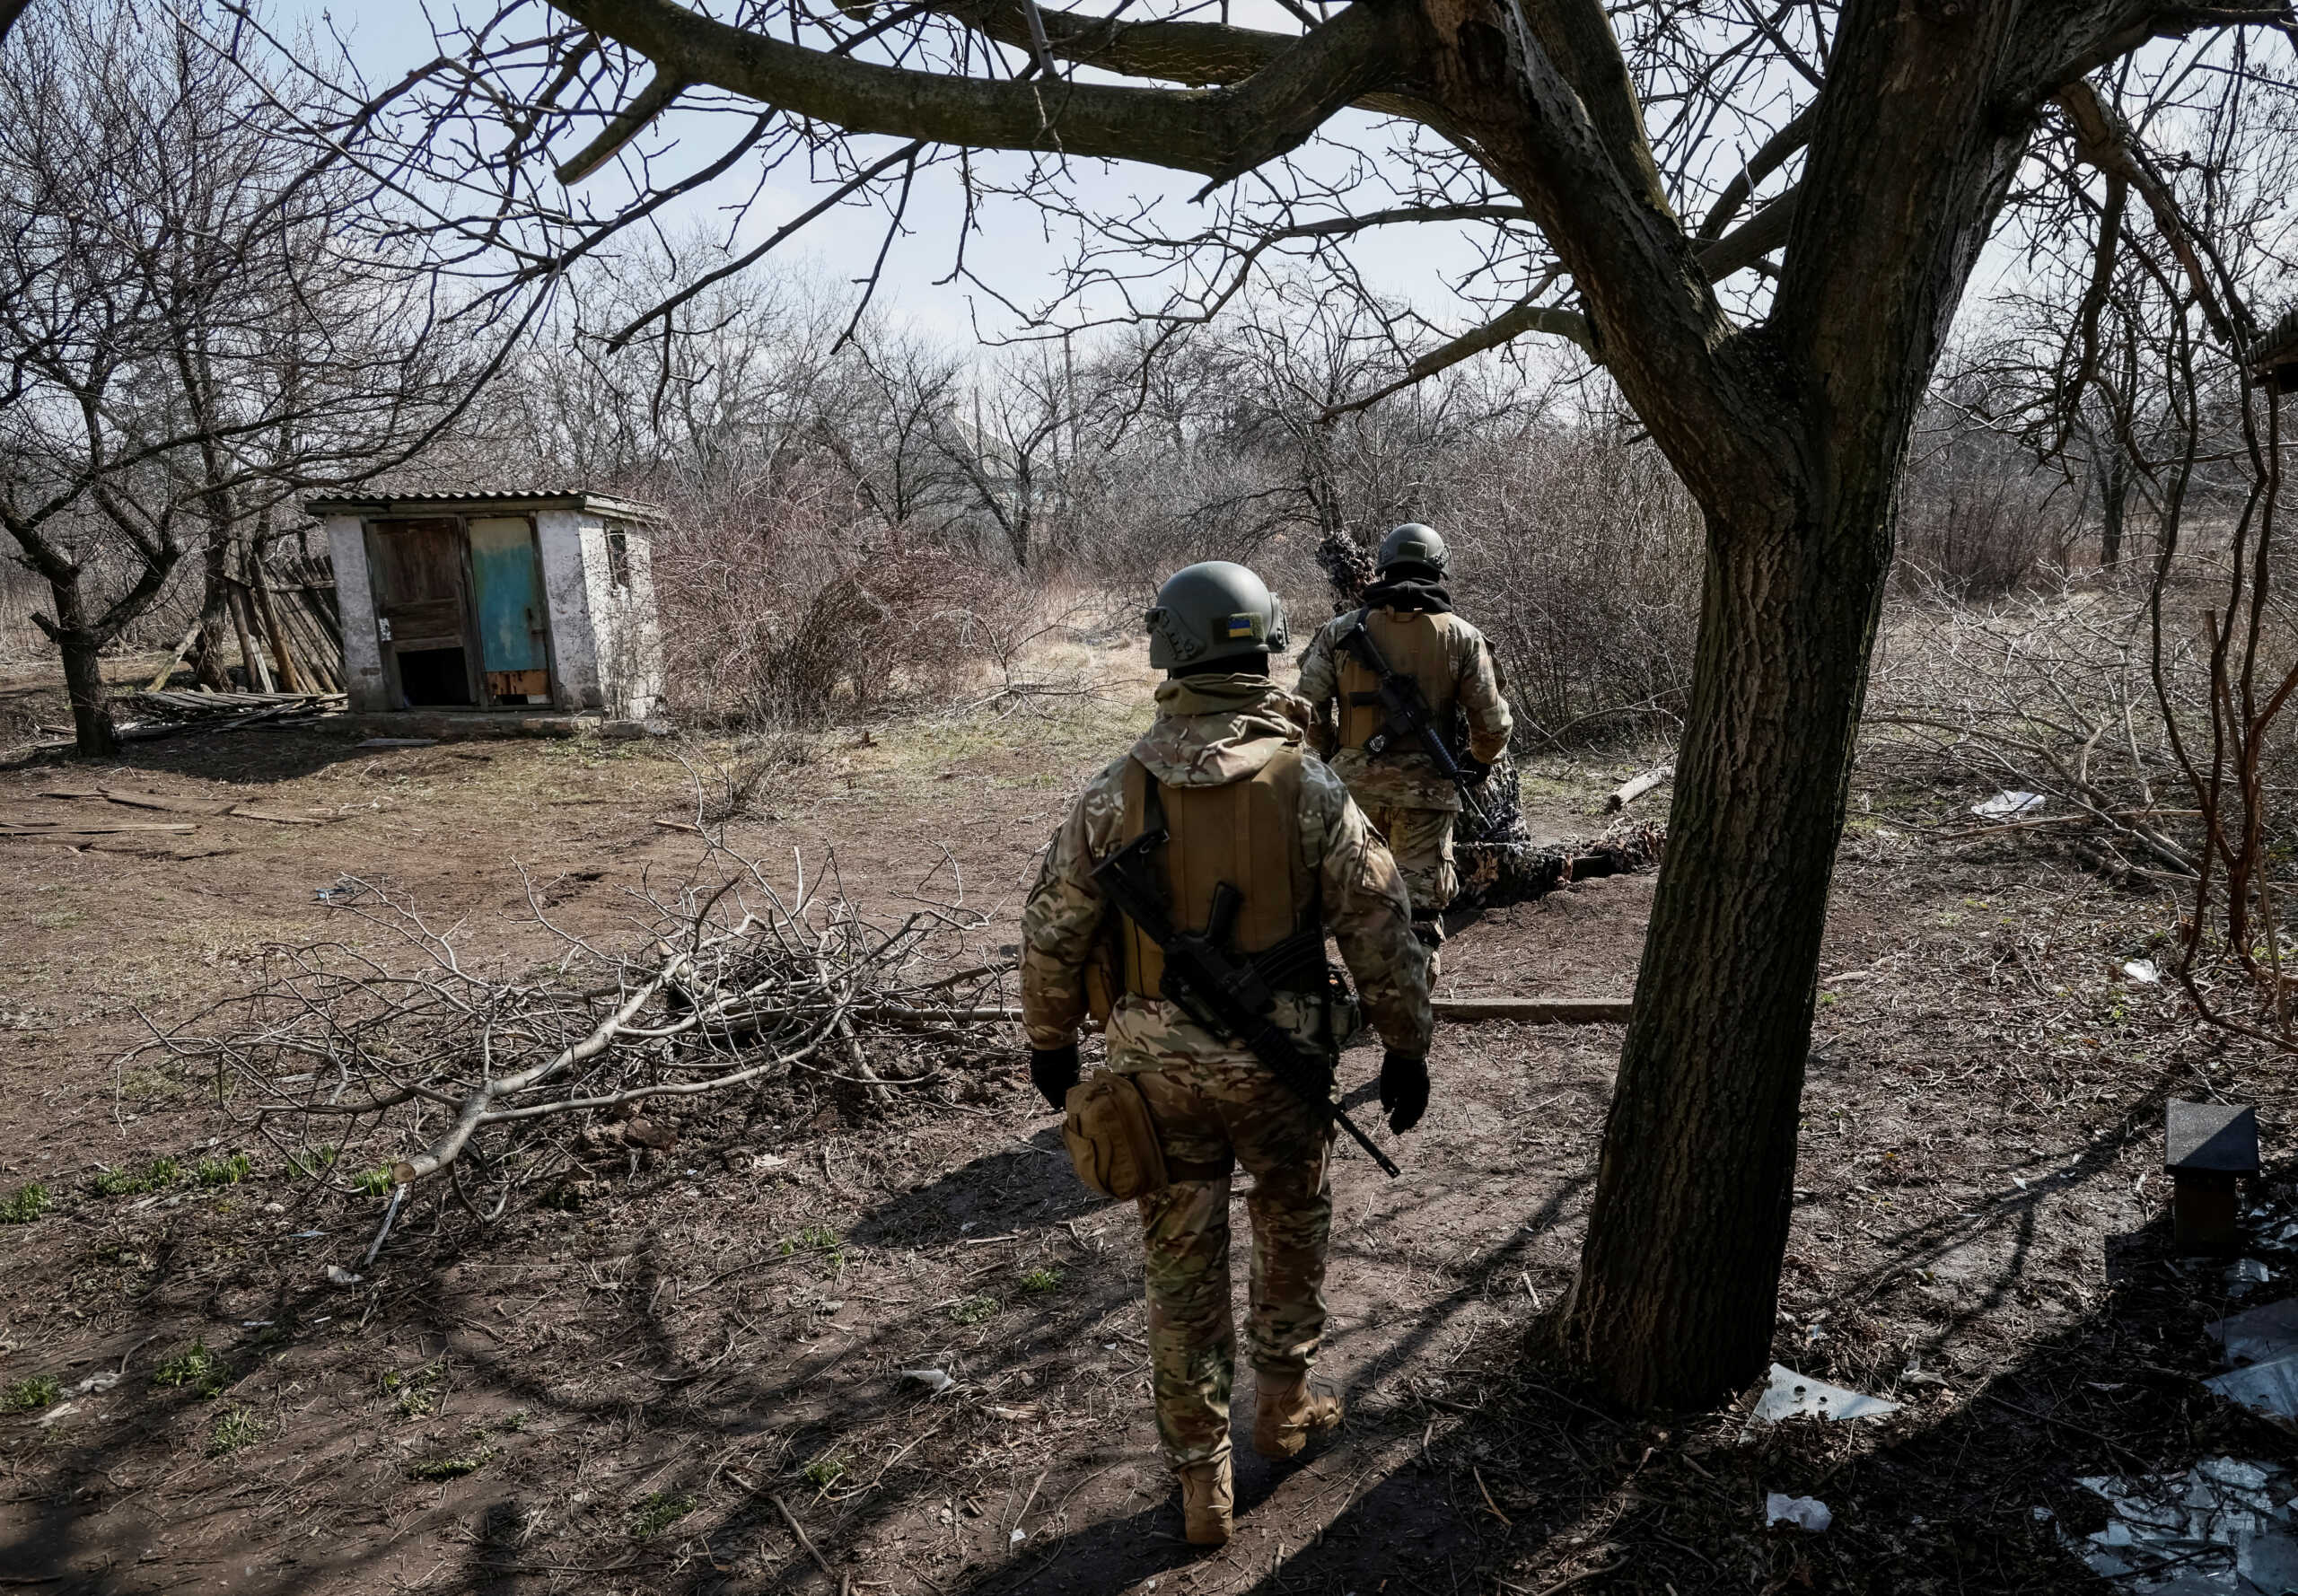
(2279, 343)
(393, 498)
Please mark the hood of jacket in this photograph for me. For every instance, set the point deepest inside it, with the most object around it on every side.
(1213, 730)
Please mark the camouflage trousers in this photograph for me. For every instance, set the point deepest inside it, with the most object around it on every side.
(1206, 1111)
(1422, 841)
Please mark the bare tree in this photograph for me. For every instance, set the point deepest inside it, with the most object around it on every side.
(1612, 156)
(204, 319)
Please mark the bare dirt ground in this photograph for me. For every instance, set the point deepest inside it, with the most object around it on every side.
(666, 1388)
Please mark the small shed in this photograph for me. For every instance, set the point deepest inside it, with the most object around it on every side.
(503, 599)
(2274, 358)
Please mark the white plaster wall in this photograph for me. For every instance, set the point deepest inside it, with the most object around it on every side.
(650, 688)
(630, 649)
(355, 597)
(566, 538)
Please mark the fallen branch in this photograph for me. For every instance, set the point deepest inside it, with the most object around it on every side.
(1629, 791)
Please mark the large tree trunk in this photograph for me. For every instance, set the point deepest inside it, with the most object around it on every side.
(84, 673)
(217, 620)
(1680, 1276)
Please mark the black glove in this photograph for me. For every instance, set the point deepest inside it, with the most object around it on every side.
(1477, 772)
(1054, 1071)
(1404, 1088)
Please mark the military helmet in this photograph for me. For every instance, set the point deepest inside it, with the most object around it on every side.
(1215, 610)
(1412, 544)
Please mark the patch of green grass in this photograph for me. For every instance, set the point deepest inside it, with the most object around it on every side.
(197, 1369)
(374, 1182)
(973, 1310)
(33, 1393)
(824, 1472)
(235, 1427)
(416, 1389)
(818, 1239)
(225, 1172)
(1042, 1281)
(152, 1175)
(452, 1467)
(658, 1512)
(27, 1203)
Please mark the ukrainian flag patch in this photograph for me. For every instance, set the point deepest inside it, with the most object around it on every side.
(1242, 627)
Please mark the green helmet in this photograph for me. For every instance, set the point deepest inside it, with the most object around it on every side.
(1215, 610)
(1412, 544)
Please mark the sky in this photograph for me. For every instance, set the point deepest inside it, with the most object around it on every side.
(1012, 249)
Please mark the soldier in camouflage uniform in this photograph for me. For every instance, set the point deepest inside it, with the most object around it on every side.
(1408, 616)
(1226, 769)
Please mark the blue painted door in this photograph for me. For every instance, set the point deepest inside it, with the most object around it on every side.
(513, 631)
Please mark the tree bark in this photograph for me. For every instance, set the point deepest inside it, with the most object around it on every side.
(2114, 498)
(215, 618)
(83, 671)
(1680, 1276)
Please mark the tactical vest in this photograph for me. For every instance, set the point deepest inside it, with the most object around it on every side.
(1246, 833)
(1413, 643)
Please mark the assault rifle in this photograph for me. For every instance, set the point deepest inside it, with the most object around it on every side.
(1220, 990)
(1410, 720)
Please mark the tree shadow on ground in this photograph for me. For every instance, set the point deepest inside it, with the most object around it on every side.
(604, 1385)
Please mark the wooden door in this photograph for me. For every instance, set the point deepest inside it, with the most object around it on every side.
(513, 635)
(422, 602)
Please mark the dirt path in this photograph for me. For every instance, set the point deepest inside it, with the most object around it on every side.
(614, 1397)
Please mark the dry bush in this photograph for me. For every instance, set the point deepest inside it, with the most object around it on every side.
(1579, 554)
(2050, 691)
(801, 612)
(1977, 517)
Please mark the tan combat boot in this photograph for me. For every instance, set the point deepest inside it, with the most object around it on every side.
(1288, 1412)
(1207, 1503)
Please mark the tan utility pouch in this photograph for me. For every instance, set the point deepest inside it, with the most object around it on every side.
(1112, 1141)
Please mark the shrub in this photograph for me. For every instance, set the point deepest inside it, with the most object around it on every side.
(154, 1175)
(197, 1368)
(33, 1393)
(27, 1203)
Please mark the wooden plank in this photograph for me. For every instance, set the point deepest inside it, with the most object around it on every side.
(82, 828)
(176, 658)
(1536, 1011)
(278, 817)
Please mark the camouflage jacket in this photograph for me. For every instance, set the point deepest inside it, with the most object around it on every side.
(1405, 777)
(1210, 730)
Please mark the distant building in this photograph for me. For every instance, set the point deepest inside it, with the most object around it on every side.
(505, 599)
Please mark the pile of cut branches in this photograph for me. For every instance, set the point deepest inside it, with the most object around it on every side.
(425, 1064)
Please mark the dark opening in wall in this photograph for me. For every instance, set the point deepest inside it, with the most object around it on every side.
(435, 677)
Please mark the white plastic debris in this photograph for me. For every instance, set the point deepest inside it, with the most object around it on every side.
(1020, 1536)
(2142, 970)
(1790, 1394)
(57, 1414)
(2263, 1346)
(102, 1381)
(2246, 1275)
(1808, 1514)
(2223, 1525)
(935, 1381)
(337, 1275)
(2004, 806)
